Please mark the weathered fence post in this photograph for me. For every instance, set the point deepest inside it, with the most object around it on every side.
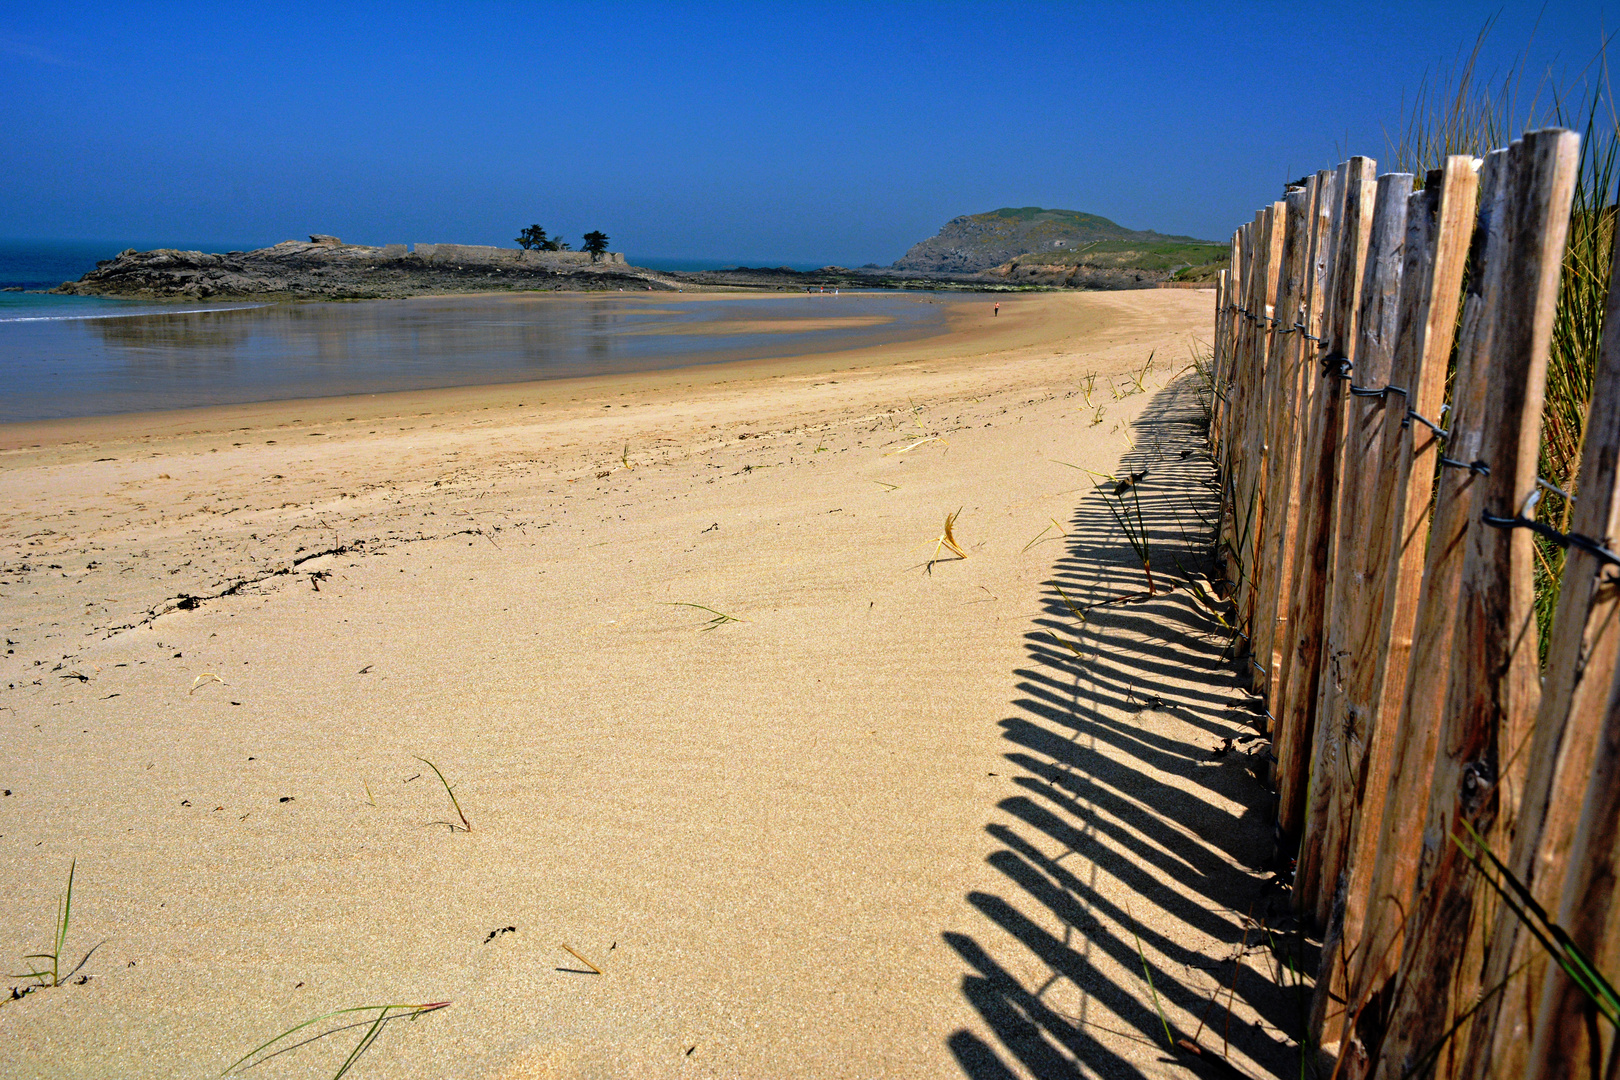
(1221, 376)
(1342, 706)
(1257, 447)
(1440, 223)
(1251, 374)
(1308, 331)
(1318, 475)
(1345, 708)
(1494, 685)
(1232, 433)
(1217, 350)
(1314, 567)
(1544, 1027)
(1285, 391)
(1400, 837)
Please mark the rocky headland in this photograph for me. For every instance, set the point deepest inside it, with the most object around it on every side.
(1059, 248)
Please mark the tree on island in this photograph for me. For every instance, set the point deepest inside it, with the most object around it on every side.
(596, 243)
(533, 238)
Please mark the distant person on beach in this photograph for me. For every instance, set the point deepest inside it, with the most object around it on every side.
(998, 309)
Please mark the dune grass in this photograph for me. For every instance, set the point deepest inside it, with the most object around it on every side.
(720, 617)
(1147, 973)
(1459, 114)
(1041, 537)
(946, 541)
(1552, 937)
(384, 1013)
(466, 826)
(47, 966)
(1140, 378)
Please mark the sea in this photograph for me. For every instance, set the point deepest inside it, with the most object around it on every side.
(69, 356)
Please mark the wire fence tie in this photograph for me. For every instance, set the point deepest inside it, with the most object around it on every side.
(1596, 548)
(1335, 358)
(1554, 488)
(1413, 414)
(1478, 467)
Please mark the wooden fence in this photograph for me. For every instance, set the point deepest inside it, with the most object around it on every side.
(1377, 527)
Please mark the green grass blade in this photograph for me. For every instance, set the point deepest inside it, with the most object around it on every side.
(448, 791)
(360, 1047)
(1552, 937)
(1168, 1040)
(384, 1010)
(62, 923)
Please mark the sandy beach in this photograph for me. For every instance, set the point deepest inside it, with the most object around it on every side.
(887, 819)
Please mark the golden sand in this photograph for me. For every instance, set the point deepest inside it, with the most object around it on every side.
(819, 840)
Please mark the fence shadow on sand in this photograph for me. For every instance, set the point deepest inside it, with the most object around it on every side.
(1134, 812)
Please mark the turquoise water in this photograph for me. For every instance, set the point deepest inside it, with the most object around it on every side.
(73, 356)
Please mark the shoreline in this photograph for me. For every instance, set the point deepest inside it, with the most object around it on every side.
(850, 334)
(1015, 328)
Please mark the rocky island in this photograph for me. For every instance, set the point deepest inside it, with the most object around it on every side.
(325, 268)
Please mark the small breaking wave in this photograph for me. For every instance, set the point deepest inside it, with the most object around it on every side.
(124, 314)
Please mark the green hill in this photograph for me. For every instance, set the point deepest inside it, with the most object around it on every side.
(978, 242)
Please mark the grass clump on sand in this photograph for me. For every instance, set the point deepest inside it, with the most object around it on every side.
(47, 966)
(1128, 516)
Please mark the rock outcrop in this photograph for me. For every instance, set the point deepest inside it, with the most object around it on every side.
(1077, 276)
(325, 268)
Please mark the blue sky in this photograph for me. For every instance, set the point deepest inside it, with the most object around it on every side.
(837, 133)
